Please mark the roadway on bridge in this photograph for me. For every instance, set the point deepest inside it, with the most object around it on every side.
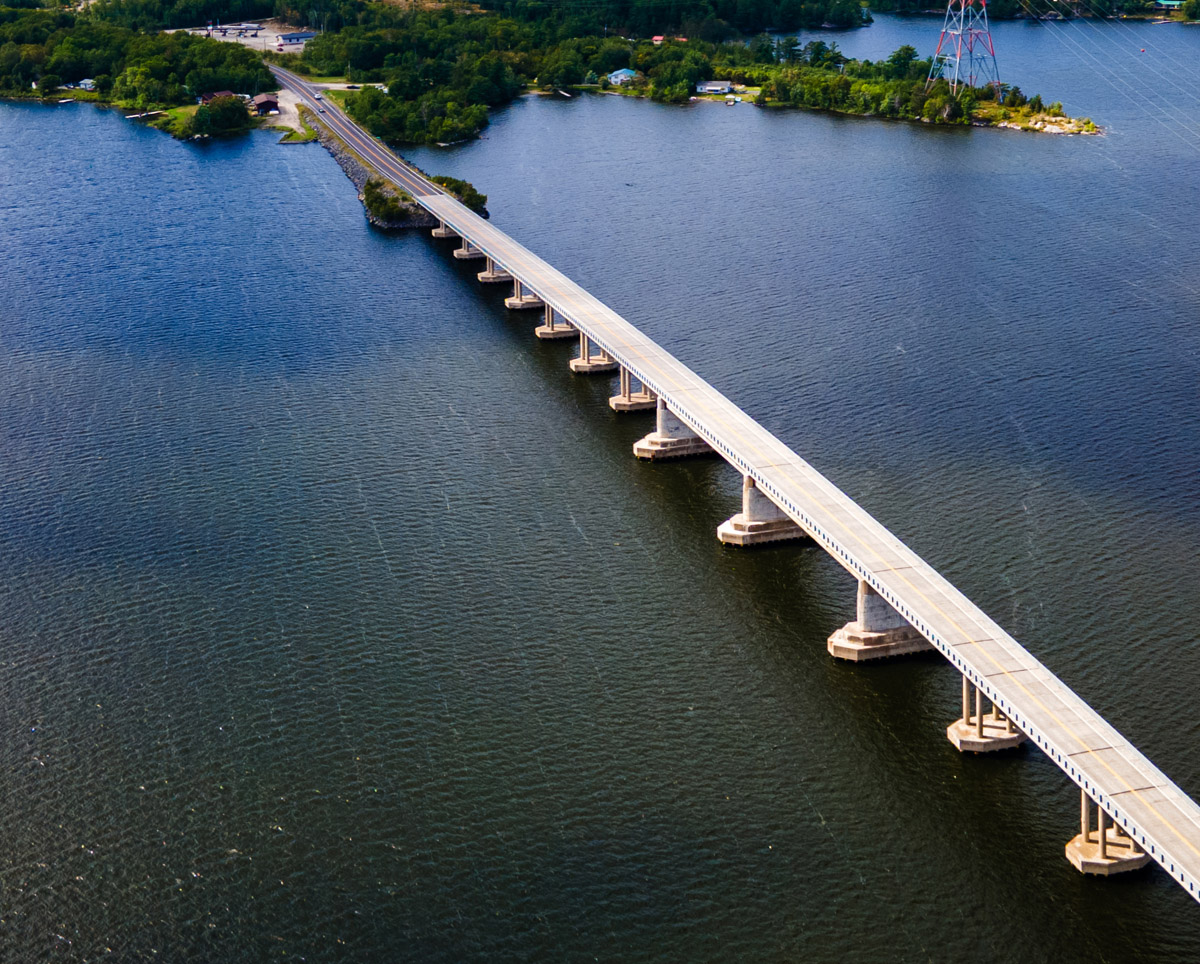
(1114, 773)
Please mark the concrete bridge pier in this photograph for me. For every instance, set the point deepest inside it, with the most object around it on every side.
(492, 275)
(671, 438)
(468, 251)
(521, 298)
(977, 733)
(550, 330)
(441, 231)
(1107, 851)
(877, 631)
(760, 521)
(627, 400)
(591, 362)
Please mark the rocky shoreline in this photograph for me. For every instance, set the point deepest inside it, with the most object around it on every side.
(415, 216)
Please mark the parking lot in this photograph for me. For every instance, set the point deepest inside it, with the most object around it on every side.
(260, 35)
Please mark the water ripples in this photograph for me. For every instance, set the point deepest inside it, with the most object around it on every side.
(338, 621)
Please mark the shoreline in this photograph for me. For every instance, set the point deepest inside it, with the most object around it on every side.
(359, 173)
(299, 129)
(1037, 123)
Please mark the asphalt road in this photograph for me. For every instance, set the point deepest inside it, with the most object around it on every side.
(370, 148)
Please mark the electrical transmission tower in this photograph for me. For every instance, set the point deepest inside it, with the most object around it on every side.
(965, 54)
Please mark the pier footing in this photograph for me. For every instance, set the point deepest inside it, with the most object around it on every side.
(859, 645)
(591, 362)
(878, 632)
(1105, 851)
(671, 439)
(979, 732)
(627, 400)
(737, 530)
(1122, 855)
(641, 401)
(492, 275)
(967, 738)
(551, 330)
(656, 448)
(468, 253)
(523, 303)
(441, 231)
(760, 522)
(521, 299)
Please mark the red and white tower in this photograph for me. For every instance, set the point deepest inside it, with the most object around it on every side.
(965, 54)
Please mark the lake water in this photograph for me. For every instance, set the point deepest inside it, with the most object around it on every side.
(337, 621)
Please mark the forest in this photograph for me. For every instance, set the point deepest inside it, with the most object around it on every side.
(161, 14)
(442, 70)
(56, 47)
(711, 20)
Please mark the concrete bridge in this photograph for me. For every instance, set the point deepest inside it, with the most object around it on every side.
(903, 604)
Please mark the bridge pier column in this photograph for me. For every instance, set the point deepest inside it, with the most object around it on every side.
(877, 631)
(671, 438)
(521, 298)
(441, 231)
(760, 521)
(591, 362)
(550, 330)
(627, 400)
(490, 275)
(468, 252)
(980, 733)
(1106, 852)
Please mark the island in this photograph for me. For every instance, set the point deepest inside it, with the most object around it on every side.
(430, 74)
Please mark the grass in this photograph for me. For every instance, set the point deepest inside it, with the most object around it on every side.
(299, 137)
(990, 112)
(175, 121)
(293, 63)
(62, 93)
(91, 96)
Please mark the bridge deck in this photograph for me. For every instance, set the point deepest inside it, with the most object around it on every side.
(1135, 793)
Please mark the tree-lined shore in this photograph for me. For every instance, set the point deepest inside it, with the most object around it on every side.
(431, 75)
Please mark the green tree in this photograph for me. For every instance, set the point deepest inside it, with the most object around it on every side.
(1013, 97)
(901, 60)
(228, 115)
(464, 191)
(137, 87)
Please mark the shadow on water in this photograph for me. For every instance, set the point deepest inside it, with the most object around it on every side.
(795, 587)
(994, 809)
(341, 611)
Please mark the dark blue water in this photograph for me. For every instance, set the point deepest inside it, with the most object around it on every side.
(337, 621)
